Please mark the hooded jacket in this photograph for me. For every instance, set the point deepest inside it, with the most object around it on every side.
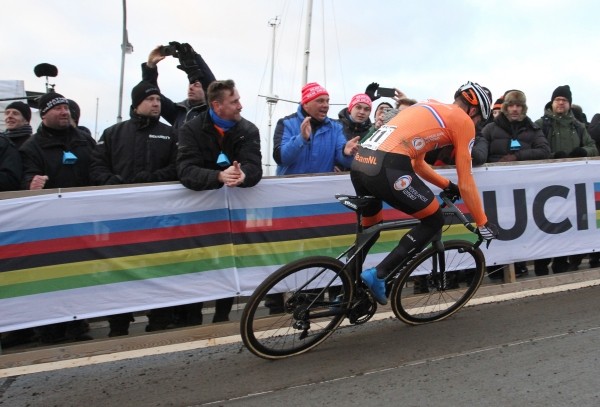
(563, 134)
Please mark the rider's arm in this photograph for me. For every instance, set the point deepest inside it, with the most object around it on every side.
(466, 183)
(425, 171)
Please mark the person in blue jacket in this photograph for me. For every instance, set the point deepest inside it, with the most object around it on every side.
(310, 142)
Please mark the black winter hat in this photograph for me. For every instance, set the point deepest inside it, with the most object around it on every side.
(23, 108)
(498, 103)
(141, 91)
(563, 91)
(49, 100)
(75, 110)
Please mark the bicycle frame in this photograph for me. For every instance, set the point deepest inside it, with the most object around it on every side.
(365, 236)
(425, 288)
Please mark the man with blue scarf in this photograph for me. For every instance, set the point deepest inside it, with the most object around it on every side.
(219, 147)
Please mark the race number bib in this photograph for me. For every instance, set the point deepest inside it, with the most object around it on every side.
(377, 138)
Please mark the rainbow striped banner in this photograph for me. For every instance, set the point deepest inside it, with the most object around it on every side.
(74, 254)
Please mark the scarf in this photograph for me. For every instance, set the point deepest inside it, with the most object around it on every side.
(19, 132)
(221, 123)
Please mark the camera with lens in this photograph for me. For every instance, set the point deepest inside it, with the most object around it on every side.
(171, 49)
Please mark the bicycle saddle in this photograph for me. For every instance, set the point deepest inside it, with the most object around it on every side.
(355, 202)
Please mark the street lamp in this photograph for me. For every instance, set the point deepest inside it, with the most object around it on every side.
(126, 48)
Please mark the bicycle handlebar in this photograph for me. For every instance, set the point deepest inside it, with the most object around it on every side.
(449, 203)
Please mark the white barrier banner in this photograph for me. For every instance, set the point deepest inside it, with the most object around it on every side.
(76, 254)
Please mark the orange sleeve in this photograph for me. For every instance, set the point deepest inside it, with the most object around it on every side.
(466, 183)
(426, 172)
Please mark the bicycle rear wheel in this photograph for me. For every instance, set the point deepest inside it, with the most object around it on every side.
(296, 308)
(435, 285)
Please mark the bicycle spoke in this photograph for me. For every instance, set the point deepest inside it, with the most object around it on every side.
(424, 292)
(297, 308)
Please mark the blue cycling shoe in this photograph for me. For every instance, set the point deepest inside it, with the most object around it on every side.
(375, 285)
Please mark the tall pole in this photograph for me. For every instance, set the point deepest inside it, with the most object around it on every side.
(307, 42)
(271, 98)
(96, 124)
(126, 48)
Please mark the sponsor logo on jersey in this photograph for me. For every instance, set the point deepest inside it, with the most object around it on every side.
(369, 159)
(418, 143)
(402, 183)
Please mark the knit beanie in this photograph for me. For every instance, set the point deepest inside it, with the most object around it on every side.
(141, 91)
(75, 110)
(563, 91)
(311, 91)
(498, 103)
(359, 98)
(23, 108)
(514, 97)
(49, 100)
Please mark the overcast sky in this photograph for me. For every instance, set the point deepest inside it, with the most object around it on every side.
(427, 48)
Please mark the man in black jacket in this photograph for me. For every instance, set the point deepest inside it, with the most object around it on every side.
(11, 168)
(199, 76)
(138, 150)
(220, 130)
(219, 148)
(17, 116)
(57, 156)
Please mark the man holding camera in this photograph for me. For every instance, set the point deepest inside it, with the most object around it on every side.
(199, 76)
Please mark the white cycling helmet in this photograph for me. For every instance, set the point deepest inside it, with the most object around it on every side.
(476, 95)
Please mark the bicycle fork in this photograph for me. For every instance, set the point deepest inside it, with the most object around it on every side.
(439, 276)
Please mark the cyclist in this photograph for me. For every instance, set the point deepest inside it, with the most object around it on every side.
(389, 163)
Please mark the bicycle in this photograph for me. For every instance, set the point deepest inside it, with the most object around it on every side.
(305, 301)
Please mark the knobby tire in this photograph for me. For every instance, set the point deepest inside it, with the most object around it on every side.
(283, 317)
(420, 295)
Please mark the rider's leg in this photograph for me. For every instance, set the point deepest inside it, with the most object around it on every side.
(412, 242)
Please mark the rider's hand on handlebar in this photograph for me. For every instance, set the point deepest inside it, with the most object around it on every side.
(488, 231)
(452, 192)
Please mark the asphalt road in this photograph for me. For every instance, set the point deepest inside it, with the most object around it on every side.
(536, 351)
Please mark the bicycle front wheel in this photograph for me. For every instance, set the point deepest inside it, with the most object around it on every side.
(296, 308)
(435, 285)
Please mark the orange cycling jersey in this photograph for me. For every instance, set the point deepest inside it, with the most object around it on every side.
(421, 128)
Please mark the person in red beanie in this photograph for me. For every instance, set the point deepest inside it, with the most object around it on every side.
(355, 118)
(308, 141)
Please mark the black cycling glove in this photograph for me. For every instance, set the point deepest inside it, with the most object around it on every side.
(452, 191)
